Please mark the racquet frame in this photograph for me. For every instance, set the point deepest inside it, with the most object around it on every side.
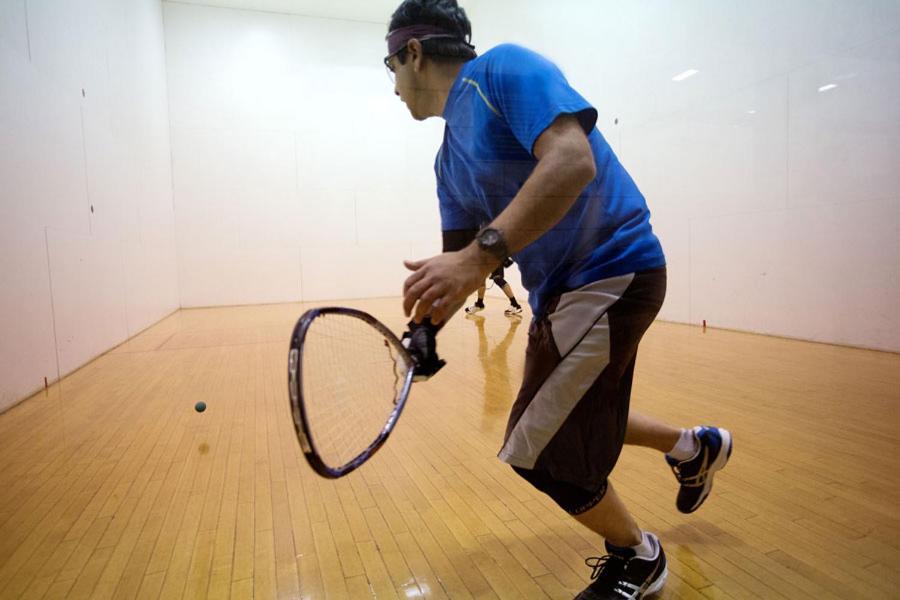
(295, 390)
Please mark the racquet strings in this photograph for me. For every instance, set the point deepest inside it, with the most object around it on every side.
(352, 378)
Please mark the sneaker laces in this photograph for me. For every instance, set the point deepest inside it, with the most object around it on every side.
(611, 572)
(697, 480)
(609, 567)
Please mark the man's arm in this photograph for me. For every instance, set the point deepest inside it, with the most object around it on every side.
(565, 166)
(440, 285)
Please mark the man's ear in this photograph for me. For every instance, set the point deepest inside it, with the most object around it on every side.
(414, 53)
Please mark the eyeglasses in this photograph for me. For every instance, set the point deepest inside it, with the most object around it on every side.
(389, 66)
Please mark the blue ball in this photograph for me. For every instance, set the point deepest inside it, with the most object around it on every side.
(200, 406)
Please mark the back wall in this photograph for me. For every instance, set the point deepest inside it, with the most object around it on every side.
(764, 136)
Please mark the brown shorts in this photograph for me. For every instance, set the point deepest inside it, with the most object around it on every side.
(568, 421)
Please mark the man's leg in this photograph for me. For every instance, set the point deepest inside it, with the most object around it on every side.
(612, 520)
(577, 386)
(634, 560)
(635, 565)
(600, 510)
(650, 433)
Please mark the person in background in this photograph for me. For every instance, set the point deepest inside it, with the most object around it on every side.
(497, 277)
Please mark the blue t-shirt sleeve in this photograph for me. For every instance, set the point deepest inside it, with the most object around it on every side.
(452, 214)
(530, 92)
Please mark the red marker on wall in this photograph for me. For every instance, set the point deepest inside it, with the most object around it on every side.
(704, 325)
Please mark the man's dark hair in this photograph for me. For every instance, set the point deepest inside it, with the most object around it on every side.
(447, 15)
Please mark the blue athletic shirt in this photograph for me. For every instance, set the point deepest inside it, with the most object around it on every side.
(498, 106)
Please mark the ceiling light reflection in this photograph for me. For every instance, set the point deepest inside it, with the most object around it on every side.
(685, 74)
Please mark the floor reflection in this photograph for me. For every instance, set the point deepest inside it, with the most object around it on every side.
(498, 390)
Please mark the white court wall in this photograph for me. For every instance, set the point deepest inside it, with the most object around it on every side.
(298, 174)
(87, 248)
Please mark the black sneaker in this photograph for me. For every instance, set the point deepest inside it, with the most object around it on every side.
(620, 575)
(696, 474)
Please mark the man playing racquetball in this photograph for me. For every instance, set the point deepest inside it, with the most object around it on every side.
(521, 152)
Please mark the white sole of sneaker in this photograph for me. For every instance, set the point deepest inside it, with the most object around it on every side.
(717, 465)
(724, 453)
(658, 584)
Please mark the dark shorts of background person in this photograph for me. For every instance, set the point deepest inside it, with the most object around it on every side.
(567, 425)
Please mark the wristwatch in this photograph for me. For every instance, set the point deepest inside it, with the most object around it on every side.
(491, 241)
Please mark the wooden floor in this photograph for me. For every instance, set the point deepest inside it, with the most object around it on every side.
(112, 486)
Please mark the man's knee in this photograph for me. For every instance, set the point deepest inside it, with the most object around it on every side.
(571, 498)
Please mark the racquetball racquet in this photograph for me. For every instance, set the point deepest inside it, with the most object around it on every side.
(348, 380)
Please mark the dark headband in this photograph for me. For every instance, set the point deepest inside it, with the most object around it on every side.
(397, 38)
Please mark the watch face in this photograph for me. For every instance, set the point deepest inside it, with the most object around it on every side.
(490, 238)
